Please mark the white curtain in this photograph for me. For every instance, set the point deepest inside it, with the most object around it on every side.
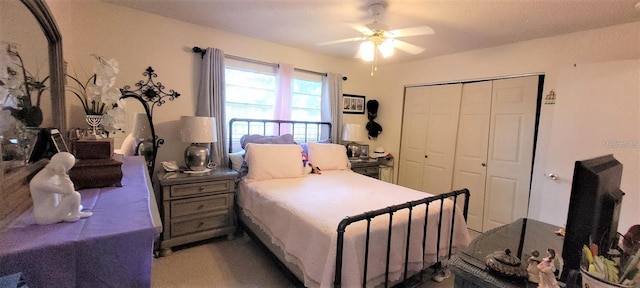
(211, 99)
(282, 109)
(332, 104)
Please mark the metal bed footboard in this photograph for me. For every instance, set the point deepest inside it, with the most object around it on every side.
(409, 206)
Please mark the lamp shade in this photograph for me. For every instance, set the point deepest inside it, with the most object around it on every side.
(141, 127)
(197, 129)
(352, 132)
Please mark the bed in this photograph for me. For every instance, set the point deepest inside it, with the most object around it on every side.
(337, 228)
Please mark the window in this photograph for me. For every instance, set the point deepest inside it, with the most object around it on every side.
(307, 95)
(251, 93)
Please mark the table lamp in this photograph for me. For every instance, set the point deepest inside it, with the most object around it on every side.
(142, 133)
(352, 133)
(198, 131)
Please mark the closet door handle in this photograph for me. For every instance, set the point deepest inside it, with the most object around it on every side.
(425, 156)
(484, 164)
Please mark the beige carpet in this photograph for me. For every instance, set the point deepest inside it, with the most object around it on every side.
(221, 263)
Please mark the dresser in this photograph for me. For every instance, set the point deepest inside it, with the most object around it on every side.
(367, 167)
(196, 206)
(111, 248)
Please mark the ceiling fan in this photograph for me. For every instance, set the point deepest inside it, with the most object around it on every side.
(377, 37)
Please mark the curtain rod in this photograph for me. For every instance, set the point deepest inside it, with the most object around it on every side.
(202, 51)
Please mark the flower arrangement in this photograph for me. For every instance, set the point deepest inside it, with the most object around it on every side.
(98, 96)
(17, 87)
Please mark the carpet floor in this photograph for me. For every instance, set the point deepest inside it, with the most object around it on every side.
(240, 262)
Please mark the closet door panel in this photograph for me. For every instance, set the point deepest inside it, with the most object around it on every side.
(414, 137)
(442, 127)
(471, 148)
(510, 152)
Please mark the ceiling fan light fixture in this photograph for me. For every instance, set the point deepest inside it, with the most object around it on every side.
(367, 50)
(386, 48)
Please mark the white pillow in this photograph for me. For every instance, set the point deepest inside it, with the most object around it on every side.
(236, 159)
(327, 156)
(273, 161)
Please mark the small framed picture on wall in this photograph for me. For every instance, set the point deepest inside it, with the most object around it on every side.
(353, 104)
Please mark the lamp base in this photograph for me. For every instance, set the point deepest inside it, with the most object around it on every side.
(196, 157)
(145, 148)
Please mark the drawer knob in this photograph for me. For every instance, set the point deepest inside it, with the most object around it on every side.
(201, 188)
(200, 206)
(200, 224)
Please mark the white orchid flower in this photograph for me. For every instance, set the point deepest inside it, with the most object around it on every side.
(111, 96)
(105, 81)
(114, 119)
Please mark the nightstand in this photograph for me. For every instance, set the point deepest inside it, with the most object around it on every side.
(367, 167)
(196, 206)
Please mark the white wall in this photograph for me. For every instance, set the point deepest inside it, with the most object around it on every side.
(138, 40)
(549, 56)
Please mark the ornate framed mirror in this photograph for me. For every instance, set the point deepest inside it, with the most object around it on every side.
(14, 192)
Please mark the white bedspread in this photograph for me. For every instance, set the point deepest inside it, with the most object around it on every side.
(302, 214)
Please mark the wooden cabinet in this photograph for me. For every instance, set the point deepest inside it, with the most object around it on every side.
(196, 206)
(369, 168)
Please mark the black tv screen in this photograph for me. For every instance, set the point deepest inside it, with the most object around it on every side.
(594, 208)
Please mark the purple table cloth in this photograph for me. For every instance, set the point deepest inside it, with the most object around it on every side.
(112, 248)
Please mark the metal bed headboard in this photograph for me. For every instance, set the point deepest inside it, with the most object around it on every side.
(302, 131)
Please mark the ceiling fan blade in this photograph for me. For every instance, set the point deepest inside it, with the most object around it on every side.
(360, 28)
(354, 39)
(407, 47)
(412, 31)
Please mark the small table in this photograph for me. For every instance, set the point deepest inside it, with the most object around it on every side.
(521, 237)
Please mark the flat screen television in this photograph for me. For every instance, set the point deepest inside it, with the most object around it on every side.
(594, 208)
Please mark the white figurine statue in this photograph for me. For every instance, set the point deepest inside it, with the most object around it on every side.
(532, 268)
(547, 269)
(54, 198)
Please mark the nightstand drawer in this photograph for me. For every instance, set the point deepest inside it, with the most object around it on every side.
(201, 205)
(199, 188)
(199, 222)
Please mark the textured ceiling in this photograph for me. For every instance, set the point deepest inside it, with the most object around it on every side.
(460, 25)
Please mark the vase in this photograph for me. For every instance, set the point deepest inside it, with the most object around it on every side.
(94, 121)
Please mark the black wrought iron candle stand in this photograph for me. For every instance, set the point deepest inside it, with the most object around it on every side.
(150, 94)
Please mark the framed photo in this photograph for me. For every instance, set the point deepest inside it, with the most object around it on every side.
(58, 141)
(50, 141)
(364, 151)
(353, 104)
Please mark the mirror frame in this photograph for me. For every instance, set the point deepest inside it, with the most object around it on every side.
(15, 197)
(41, 12)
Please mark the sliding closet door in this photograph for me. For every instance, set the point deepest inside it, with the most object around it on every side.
(510, 153)
(429, 134)
(414, 137)
(470, 168)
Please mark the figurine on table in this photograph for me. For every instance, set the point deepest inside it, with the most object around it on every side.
(53, 194)
(532, 269)
(547, 268)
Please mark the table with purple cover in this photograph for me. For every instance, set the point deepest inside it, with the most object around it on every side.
(112, 248)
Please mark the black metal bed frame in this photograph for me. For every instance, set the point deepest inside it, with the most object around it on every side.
(368, 216)
(387, 211)
(279, 124)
